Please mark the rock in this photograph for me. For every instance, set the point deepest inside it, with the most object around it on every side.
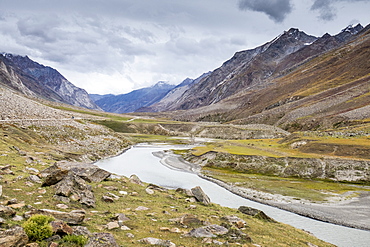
(125, 228)
(185, 191)
(6, 211)
(62, 206)
(53, 244)
(13, 237)
(216, 229)
(115, 197)
(101, 239)
(123, 192)
(35, 179)
(149, 191)
(1, 190)
(189, 219)
(156, 241)
(2, 220)
(200, 195)
(12, 201)
(81, 231)
(62, 199)
(141, 208)
(239, 223)
(17, 218)
(191, 199)
(112, 225)
(121, 218)
(60, 227)
(107, 199)
(73, 184)
(256, 213)
(136, 180)
(74, 217)
(32, 170)
(130, 235)
(54, 176)
(53, 238)
(156, 187)
(200, 233)
(32, 245)
(88, 172)
(111, 188)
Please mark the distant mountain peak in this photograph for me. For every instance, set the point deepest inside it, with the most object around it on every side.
(353, 29)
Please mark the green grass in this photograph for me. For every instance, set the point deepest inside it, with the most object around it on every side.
(312, 190)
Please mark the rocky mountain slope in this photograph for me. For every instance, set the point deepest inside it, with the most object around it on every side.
(36, 80)
(130, 102)
(295, 80)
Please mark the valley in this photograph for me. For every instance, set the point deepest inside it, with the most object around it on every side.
(286, 124)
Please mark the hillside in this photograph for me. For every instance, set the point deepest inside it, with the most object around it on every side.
(36, 80)
(295, 80)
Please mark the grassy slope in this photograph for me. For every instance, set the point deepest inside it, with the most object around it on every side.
(143, 223)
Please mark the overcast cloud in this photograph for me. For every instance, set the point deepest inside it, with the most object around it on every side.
(115, 46)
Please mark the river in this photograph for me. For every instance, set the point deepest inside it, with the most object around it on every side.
(139, 160)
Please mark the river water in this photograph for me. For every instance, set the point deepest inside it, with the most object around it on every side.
(139, 160)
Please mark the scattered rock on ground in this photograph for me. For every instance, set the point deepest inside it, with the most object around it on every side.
(255, 213)
(13, 237)
(61, 227)
(136, 180)
(6, 211)
(200, 195)
(156, 241)
(74, 217)
(101, 239)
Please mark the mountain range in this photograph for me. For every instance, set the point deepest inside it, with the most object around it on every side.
(295, 80)
(133, 101)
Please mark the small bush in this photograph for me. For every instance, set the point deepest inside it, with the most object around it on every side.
(37, 227)
(73, 240)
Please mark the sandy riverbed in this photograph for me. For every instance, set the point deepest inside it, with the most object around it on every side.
(354, 212)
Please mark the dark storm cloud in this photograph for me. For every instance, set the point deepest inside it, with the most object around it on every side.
(275, 9)
(326, 8)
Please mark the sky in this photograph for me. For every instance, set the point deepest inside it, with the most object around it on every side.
(116, 46)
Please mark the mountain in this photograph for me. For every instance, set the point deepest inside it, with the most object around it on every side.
(36, 80)
(295, 80)
(172, 96)
(130, 102)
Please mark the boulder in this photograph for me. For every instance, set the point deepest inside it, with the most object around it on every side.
(101, 239)
(107, 199)
(189, 219)
(136, 180)
(35, 179)
(74, 217)
(13, 237)
(200, 233)
(6, 211)
(158, 242)
(255, 213)
(75, 185)
(239, 223)
(61, 228)
(112, 225)
(88, 172)
(200, 195)
(184, 191)
(81, 231)
(216, 229)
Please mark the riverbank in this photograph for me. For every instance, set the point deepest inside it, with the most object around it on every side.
(352, 212)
